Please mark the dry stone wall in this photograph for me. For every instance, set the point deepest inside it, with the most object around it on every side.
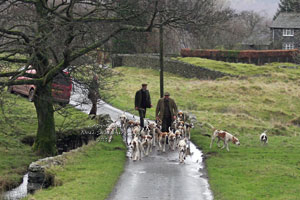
(170, 65)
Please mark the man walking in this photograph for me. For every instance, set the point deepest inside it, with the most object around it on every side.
(94, 95)
(166, 110)
(142, 102)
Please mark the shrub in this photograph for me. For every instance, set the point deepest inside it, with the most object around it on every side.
(242, 55)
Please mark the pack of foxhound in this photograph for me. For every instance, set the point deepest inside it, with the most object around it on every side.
(141, 141)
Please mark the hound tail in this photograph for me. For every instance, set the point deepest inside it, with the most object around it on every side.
(210, 126)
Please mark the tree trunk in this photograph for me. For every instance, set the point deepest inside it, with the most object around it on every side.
(45, 143)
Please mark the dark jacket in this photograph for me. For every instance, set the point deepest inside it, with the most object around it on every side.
(138, 99)
(161, 107)
(93, 89)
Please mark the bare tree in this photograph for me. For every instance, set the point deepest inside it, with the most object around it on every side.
(238, 28)
(210, 34)
(51, 35)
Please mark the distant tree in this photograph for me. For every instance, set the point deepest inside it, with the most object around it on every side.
(212, 34)
(234, 30)
(178, 30)
(288, 6)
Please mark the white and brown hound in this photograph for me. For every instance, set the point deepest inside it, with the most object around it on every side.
(162, 140)
(178, 136)
(182, 148)
(135, 145)
(181, 116)
(152, 126)
(225, 137)
(147, 142)
(110, 130)
(188, 129)
(123, 122)
(171, 139)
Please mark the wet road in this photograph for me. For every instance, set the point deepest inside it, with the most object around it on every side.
(158, 176)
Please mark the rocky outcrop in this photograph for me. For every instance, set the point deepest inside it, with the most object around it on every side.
(38, 177)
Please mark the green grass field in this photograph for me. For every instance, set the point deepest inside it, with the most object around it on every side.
(261, 100)
(89, 174)
(18, 120)
(252, 171)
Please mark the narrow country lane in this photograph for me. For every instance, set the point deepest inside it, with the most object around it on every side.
(158, 176)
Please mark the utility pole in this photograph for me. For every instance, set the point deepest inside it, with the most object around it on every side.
(161, 57)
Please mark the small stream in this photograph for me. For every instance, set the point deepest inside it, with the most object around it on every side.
(19, 192)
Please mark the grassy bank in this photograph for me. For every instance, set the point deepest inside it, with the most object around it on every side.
(89, 174)
(252, 171)
(242, 69)
(261, 100)
(18, 120)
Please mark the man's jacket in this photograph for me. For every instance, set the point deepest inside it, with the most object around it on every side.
(161, 107)
(138, 99)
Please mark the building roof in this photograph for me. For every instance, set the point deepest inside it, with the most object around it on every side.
(287, 20)
(257, 39)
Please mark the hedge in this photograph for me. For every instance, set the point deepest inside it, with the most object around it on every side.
(242, 55)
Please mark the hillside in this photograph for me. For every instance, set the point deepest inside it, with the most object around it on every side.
(244, 106)
(287, 70)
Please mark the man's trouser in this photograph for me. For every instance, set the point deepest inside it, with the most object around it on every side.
(93, 110)
(142, 113)
(93, 97)
(166, 123)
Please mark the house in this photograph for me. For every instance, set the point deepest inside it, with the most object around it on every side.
(285, 31)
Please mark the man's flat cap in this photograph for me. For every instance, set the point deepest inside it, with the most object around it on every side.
(167, 94)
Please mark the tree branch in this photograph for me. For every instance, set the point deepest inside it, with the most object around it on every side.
(22, 82)
(14, 60)
(16, 33)
(9, 74)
